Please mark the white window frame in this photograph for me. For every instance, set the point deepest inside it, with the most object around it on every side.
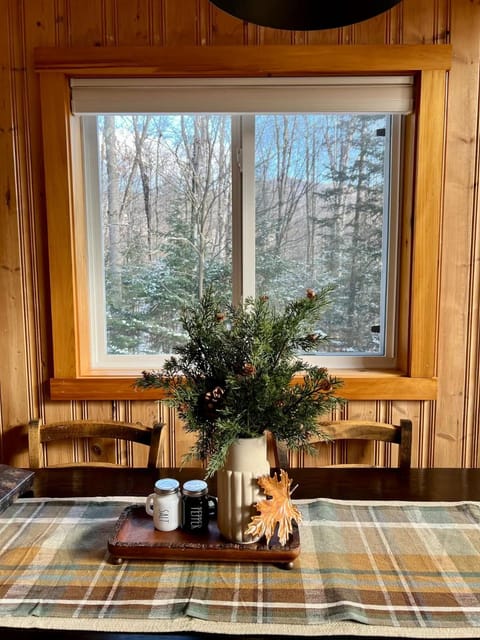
(122, 95)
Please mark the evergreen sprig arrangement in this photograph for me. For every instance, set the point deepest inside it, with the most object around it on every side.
(236, 374)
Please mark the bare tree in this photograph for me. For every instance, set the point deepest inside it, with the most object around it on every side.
(140, 130)
(113, 255)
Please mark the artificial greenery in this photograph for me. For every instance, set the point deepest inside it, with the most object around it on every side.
(236, 374)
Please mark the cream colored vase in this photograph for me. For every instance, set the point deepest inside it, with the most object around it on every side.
(237, 488)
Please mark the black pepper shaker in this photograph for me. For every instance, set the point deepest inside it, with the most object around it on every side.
(197, 506)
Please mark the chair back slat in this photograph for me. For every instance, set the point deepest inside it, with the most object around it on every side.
(365, 430)
(40, 435)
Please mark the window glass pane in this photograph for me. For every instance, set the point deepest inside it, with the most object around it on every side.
(161, 212)
(165, 198)
(322, 201)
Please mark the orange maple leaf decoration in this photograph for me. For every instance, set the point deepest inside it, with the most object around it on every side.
(278, 509)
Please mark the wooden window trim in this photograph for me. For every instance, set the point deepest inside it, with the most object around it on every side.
(419, 287)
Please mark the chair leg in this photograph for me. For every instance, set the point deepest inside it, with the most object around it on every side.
(405, 450)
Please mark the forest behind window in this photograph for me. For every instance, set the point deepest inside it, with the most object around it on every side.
(162, 214)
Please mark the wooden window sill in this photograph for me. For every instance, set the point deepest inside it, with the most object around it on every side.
(357, 385)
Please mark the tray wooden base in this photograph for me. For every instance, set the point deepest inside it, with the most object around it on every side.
(136, 538)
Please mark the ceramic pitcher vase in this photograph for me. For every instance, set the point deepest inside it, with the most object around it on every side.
(237, 488)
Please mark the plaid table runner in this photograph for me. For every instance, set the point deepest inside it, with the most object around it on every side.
(382, 567)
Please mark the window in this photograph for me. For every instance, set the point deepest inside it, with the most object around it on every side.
(265, 202)
(419, 224)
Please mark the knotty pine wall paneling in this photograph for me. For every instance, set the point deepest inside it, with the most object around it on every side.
(445, 431)
(20, 286)
(457, 425)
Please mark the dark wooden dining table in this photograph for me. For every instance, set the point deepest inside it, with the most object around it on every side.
(337, 483)
(328, 482)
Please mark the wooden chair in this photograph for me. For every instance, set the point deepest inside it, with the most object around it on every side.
(360, 430)
(83, 431)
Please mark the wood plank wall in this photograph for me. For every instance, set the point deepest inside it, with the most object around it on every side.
(446, 431)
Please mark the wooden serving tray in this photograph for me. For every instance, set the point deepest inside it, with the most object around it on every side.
(136, 538)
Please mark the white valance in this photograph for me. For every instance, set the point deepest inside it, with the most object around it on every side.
(356, 94)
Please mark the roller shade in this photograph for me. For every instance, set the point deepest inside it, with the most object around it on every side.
(372, 94)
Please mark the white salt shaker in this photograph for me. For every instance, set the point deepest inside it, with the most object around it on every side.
(165, 504)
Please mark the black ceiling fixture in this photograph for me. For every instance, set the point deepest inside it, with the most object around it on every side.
(304, 15)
